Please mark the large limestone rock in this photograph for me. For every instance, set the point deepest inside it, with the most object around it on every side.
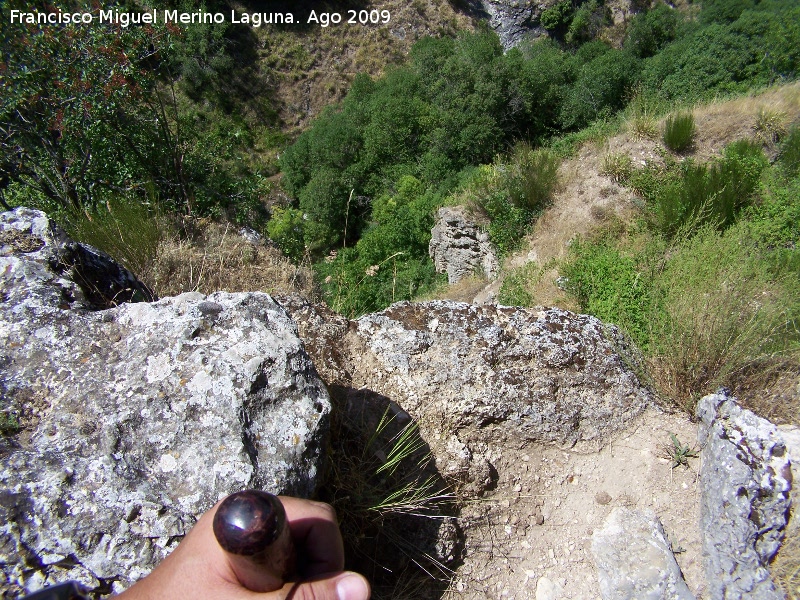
(475, 377)
(634, 559)
(135, 419)
(745, 478)
(460, 248)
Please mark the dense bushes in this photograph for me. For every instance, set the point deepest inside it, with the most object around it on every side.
(687, 196)
(458, 103)
(713, 290)
(390, 262)
(91, 115)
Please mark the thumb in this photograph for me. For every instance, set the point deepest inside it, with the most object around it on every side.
(342, 586)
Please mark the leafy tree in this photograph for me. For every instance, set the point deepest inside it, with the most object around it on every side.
(650, 31)
(600, 88)
(79, 114)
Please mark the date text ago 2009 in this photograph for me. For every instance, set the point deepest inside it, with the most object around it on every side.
(352, 17)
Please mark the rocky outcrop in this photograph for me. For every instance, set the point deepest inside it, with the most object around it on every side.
(514, 19)
(60, 273)
(460, 248)
(479, 376)
(634, 559)
(745, 480)
(134, 420)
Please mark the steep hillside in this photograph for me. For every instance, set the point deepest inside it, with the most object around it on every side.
(311, 66)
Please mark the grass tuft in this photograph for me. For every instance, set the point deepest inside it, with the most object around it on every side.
(770, 125)
(617, 166)
(128, 231)
(679, 132)
(389, 497)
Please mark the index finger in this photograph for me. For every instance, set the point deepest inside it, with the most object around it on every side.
(315, 532)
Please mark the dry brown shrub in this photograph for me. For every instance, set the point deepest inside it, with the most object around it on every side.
(208, 257)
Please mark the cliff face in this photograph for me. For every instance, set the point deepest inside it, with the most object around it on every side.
(514, 19)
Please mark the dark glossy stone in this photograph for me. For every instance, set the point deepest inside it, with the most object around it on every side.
(248, 522)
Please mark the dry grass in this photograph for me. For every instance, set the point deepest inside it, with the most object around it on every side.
(720, 123)
(771, 389)
(786, 568)
(210, 257)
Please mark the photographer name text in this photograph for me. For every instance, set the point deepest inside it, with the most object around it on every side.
(126, 19)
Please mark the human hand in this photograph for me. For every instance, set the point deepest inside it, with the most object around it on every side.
(199, 568)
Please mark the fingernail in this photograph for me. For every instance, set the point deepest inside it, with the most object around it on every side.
(352, 587)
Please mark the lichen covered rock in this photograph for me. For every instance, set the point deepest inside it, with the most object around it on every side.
(476, 376)
(745, 480)
(460, 248)
(132, 421)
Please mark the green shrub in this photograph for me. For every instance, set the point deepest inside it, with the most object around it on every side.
(789, 157)
(770, 125)
(287, 229)
(556, 16)
(515, 290)
(9, 424)
(679, 131)
(600, 88)
(587, 22)
(721, 309)
(489, 190)
(707, 194)
(390, 262)
(650, 31)
(531, 177)
(609, 284)
(617, 166)
(126, 230)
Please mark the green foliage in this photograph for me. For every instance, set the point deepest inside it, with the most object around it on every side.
(611, 285)
(74, 114)
(727, 54)
(390, 262)
(724, 11)
(789, 157)
(286, 228)
(600, 88)
(617, 166)
(708, 324)
(680, 454)
(679, 131)
(515, 290)
(126, 230)
(9, 424)
(488, 192)
(696, 194)
(92, 110)
(531, 177)
(557, 16)
(650, 31)
(586, 22)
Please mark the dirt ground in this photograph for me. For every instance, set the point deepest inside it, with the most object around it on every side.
(531, 536)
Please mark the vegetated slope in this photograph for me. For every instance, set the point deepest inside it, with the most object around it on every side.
(417, 137)
(310, 66)
(694, 255)
(591, 194)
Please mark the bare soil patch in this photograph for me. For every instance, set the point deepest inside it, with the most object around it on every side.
(531, 536)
